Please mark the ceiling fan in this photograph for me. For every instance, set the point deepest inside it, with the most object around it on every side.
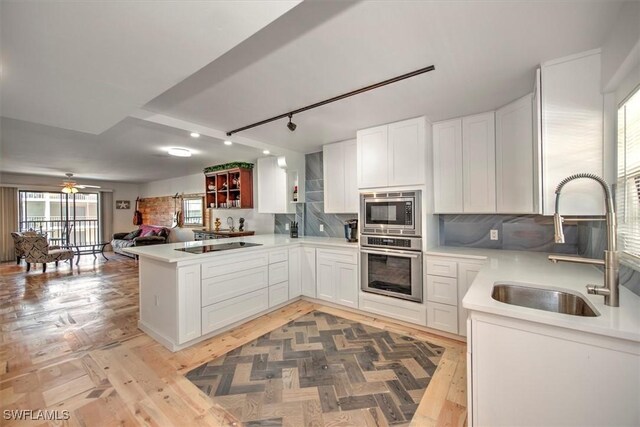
(71, 186)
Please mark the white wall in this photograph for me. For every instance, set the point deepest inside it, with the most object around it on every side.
(122, 218)
(190, 184)
(621, 49)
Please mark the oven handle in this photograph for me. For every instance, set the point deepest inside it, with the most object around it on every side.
(402, 254)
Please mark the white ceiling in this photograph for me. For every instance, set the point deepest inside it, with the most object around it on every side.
(132, 151)
(485, 54)
(85, 65)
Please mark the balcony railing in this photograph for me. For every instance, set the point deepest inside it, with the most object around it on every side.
(81, 231)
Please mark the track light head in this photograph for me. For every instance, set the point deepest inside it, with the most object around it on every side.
(292, 126)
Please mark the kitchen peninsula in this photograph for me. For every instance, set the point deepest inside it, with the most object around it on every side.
(186, 297)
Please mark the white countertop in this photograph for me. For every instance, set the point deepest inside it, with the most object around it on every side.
(168, 253)
(535, 269)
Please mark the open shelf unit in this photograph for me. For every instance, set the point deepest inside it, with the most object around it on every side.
(232, 189)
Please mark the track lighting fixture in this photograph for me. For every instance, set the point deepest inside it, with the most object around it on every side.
(292, 126)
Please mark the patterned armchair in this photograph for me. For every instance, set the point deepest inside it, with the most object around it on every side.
(37, 249)
(18, 244)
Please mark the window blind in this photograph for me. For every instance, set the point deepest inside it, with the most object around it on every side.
(628, 183)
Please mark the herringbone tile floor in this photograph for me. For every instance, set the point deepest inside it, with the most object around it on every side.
(321, 367)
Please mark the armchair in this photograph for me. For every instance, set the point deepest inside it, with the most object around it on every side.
(18, 244)
(37, 250)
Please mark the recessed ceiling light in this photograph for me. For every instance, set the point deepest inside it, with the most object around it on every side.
(179, 152)
(227, 142)
(195, 135)
(266, 152)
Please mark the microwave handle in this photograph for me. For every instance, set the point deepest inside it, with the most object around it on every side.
(402, 254)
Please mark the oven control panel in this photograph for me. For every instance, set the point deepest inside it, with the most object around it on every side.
(408, 243)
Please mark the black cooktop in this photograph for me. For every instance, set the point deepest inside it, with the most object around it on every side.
(219, 247)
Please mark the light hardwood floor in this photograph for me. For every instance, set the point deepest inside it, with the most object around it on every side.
(69, 341)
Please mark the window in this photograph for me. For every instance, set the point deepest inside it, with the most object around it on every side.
(628, 184)
(192, 208)
(46, 212)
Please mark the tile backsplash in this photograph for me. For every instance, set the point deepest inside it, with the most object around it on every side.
(310, 214)
(515, 232)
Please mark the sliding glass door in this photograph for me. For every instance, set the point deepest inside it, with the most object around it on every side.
(66, 219)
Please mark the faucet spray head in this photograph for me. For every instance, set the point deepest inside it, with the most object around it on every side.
(557, 225)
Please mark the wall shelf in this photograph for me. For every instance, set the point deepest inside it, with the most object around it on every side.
(240, 196)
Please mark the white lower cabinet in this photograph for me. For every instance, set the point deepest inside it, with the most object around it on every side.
(529, 374)
(337, 276)
(278, 272)
(448, 280)
(220, 288)
(443, 317)
(295, 278)
(308, 271)
(278, 294)
(219, 315)
(189, 326)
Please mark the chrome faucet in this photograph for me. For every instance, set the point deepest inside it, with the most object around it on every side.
(611, 275)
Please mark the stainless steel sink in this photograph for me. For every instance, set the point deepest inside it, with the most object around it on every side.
(547, 299)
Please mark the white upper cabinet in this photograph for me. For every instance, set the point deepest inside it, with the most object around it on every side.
(340, 177)
(406, 152)
(516, 160)
(572, 132)
(479, 163)
(372, 157)
(447, 166)
(392, 155)
(464, 165)
(272, 186)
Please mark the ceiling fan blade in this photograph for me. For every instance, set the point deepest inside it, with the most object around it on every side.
(87, 186)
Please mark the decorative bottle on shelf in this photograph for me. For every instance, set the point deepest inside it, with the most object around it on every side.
(295, 193)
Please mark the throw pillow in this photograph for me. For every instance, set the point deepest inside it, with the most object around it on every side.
(132, 235)
(149, 233)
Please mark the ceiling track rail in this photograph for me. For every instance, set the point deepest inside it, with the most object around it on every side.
(335, 98)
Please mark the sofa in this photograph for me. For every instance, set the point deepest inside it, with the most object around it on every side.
(145, 235)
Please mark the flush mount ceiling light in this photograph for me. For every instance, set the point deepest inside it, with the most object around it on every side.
(195, 135)
(292, 126)
(227, 142)
(265, 151)
(179, 152)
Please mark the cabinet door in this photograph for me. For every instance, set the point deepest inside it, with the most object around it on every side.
(406, 152)
(346, 284)
(326, 279)
(466, 275)
(295, 265)
(266, 184)
(515, 161)
(272, 186)
(572, 132)
(333, 171)
(372, 157)
(308, 272)
(479, 160)
(447, 166)
(189, 326)
(351, 195)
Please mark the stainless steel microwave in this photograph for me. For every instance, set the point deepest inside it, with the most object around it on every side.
(395, 213)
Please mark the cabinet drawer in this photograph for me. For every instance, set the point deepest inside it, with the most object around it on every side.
(443, 317)
(442, 289)
(440, 267)
(221, 288)
(278, 273)
(278, 294)
(347, 257)
(225, 313)
(278, 256)
(235, 263)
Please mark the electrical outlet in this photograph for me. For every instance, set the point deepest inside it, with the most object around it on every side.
(494, 235)
(286, 226)
(321, 227)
